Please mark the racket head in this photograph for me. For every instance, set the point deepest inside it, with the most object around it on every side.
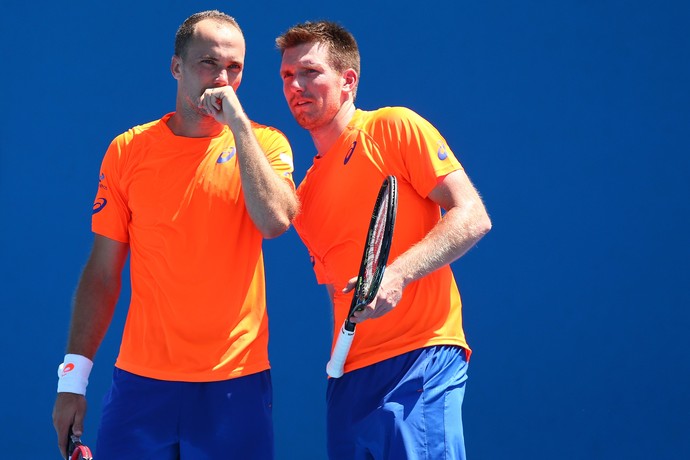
(377, 245)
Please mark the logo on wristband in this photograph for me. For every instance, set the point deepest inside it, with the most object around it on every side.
(68, 367)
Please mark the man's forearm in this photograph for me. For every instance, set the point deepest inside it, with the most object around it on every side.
(454, 235)
(270, 200)
(94, 305)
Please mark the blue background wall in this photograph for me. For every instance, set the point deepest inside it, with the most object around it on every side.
(572, 119)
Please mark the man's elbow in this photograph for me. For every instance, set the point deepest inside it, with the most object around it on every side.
(484, 225)
(486, 222)
(275, 229)
(280, 223)
(280, 219)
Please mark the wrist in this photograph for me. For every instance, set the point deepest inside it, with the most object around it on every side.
(73, 374)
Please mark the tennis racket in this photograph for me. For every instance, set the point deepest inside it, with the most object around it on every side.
(376, 250)
(76, 450)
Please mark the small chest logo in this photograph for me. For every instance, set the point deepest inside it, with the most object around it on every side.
(350, 152)
(226, 155)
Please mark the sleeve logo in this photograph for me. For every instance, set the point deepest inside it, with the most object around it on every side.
(442, 151)
(99, 205)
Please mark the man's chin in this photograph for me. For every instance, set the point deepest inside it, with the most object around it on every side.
(303, 120)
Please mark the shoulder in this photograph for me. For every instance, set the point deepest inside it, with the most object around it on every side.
(259, 128)
(392, 114)
(268, 134)
(138, 139)
(393, 117)
(143, 130)
(391, 124)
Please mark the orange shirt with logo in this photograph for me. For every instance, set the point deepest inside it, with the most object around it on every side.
(337, 197)
(198, 306)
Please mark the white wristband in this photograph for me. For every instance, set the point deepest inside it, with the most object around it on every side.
(73, 374)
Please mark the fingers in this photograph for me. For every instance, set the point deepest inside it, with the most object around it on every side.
(210, 104)
(359, 316)
(388, 296)
(350, 285)
(78, 425)
(62, 444)
(69, 410)
(217, 100)
(375, 309)
(61, 422)
(62, 434)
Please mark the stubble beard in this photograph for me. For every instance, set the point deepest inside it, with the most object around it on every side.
(192, 110)
(305, 121)
(313, 121)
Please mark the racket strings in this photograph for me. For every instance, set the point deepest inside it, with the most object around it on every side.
(373, 252)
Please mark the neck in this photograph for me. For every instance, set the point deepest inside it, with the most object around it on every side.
(325, 136)
(189, 123)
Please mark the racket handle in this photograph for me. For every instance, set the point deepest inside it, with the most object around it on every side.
(335, 367)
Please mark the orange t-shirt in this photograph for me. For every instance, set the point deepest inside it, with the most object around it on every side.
(198, 307)
(337, 197)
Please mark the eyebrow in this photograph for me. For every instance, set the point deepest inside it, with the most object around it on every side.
(217, 60)
(309, 63)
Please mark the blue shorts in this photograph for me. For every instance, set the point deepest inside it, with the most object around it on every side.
(406, 407)
(162, 420)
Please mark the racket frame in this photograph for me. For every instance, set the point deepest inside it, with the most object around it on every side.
(76, 450)
(388, 193)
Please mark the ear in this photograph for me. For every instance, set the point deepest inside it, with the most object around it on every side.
(175, 67)
(350, 80)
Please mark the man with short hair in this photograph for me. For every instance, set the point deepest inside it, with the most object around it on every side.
(189, 197)
(404, 382)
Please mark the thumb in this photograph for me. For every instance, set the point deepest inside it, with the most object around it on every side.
(78, 426)
(350, 285)
(78, 423)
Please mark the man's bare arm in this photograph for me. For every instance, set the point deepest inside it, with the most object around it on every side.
(94, 305)
(464, 223)
(269, 198)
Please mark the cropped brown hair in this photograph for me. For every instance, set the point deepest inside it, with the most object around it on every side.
(186, 30)
(341, 44)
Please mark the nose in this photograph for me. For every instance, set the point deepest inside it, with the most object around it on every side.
(222, 77)
(294, 86)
